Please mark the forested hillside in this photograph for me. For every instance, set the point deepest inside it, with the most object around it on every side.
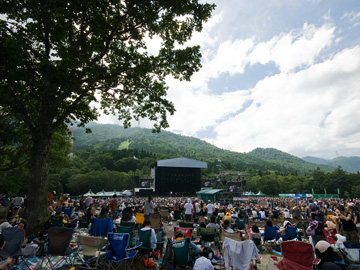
(349, 164)
(113, 158)
(111, 137)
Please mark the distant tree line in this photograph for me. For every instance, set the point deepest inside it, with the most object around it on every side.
(120, 169)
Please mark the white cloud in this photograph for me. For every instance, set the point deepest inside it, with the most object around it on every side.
(288, 110)
(294, 50)
(309, 108)
(352, 17)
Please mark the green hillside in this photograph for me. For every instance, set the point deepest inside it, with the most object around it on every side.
(170, 145)
(349, 164)
(278, 157)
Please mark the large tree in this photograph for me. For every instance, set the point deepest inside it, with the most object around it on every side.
(58, 56)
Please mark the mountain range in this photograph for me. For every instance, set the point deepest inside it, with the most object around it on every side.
(170, 145)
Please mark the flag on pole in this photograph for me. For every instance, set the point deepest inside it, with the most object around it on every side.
(325, 191)
(338, 191)
(312, 189)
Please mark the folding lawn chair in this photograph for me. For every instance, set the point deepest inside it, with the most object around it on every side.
(14, 239)
(209, 236)
(91, 250)
(297, 255)
(117, 253)
(164, 213)
(232, 235)
(101, 227)
(169, 230)
(140, 217)
(270, 233)
(128, 230)
(84, 223)
(181, 251)
(144, 238)
(67, 210)
(291, 234)
(58, 243)
(240, 254)
(240, 224)
(155, 221)
(187, 232)
(127, 224)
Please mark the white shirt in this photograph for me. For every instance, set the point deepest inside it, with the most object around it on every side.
(197, 208)
(188, 208)
(210, 208)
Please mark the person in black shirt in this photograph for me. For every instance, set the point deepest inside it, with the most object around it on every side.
(349, 229)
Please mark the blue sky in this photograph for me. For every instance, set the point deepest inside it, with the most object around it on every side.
(281, 74)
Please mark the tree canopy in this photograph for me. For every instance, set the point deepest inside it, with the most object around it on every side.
(59, 56)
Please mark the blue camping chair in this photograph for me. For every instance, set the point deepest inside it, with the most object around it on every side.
(270, 233)
(291, 233)
(67, 210)
(117, 254)
(14, 238)
(101, 227)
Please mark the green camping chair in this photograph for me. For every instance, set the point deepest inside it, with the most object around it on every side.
(84, 223)
(209, 235)
(240, 224)
(144, 238)
(181, 250)
(128, 230)
(127, 224)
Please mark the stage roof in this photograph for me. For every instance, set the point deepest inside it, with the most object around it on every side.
(182, 163)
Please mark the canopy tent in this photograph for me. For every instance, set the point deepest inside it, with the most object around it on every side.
(209, 194)
(103, 193)
(249, 193)
(260, 194)
(89, 193)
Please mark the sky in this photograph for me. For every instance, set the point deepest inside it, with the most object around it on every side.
(275, 74)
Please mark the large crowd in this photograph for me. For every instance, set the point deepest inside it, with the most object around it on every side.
(332, 214)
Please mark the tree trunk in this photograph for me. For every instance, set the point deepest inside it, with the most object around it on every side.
(37, 206)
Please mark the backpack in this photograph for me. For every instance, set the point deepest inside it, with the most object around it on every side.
(312, 228)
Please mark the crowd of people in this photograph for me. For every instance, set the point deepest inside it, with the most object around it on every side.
(336, 214)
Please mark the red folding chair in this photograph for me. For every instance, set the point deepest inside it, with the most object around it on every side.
(296, 255)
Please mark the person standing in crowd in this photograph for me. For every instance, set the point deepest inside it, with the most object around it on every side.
(148, 208)
(188, 210)
(196, 209)
(88, 201)
(113, 206)
(210, 208)
(344, 219)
